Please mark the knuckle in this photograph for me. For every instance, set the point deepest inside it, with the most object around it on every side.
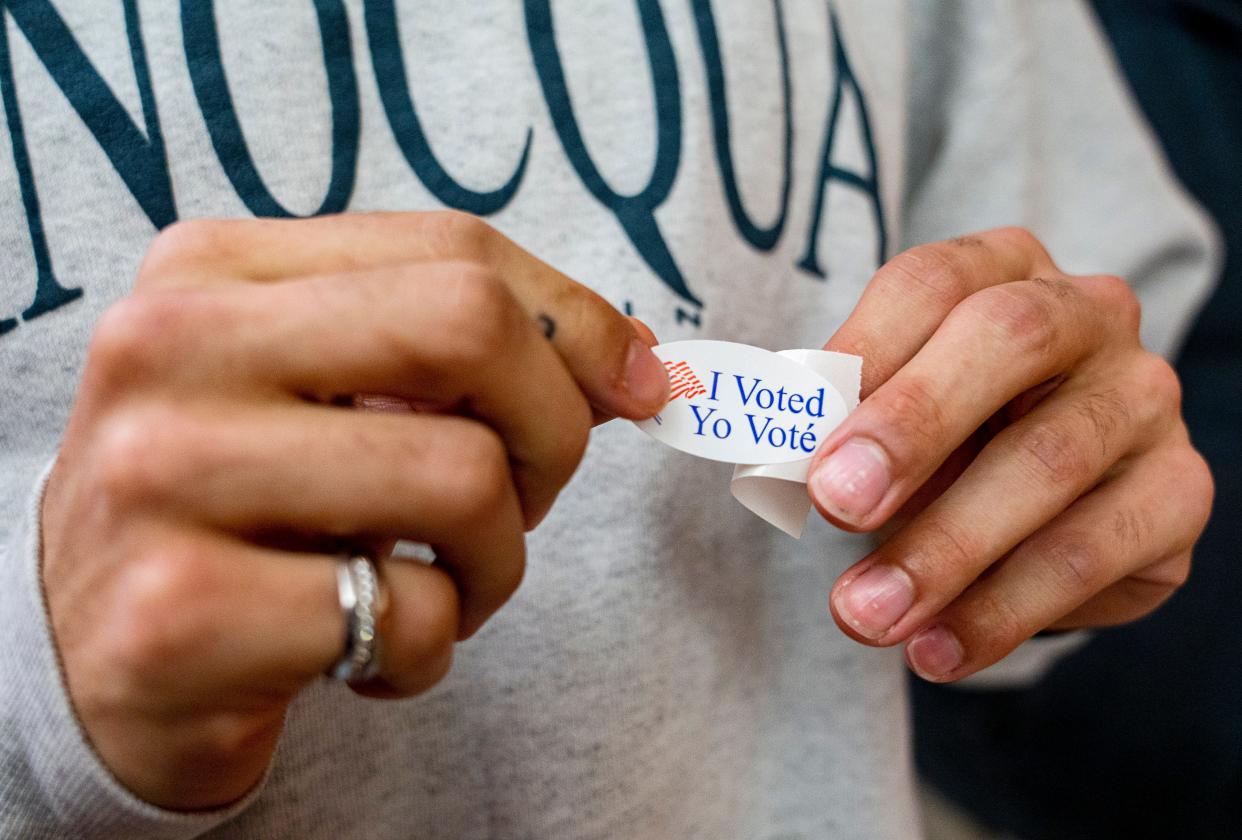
(480, 317)
(140, 456)
(151, 335)
(602, 332)
(1162, 387)
(946, 552)
(127, 338)
(1108, 414)
(1199, 488)
(1132, 528)
(593, 316)
(1023, 239)
(481, 474)
(460, 234)
(1200, 478)
(1075, 563)
(993, 626)
(119, 337)
(1121, 303)
(936, 271)
(225, 735)
(125, 468)
(915, 416)
(1023, 320)
(156, 620)
(1056, 287)
(1051, 452)
(183, 243)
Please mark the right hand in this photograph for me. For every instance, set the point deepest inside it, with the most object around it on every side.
(213, 463)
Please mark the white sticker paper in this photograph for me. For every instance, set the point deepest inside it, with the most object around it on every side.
(765, 412)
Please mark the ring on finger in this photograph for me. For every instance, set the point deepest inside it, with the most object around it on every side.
(363, 605)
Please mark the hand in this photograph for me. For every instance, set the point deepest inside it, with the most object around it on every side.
(214, 465)
(1027, 451)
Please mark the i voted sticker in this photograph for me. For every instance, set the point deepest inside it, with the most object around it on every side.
(765, 412)
(742, 404)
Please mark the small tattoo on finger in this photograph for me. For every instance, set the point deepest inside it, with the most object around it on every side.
(547, 325)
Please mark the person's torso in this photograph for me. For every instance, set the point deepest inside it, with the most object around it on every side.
(727, 169)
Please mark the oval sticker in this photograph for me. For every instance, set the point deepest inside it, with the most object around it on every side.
(742, 404)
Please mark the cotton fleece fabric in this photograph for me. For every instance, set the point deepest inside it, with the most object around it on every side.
(669, 668)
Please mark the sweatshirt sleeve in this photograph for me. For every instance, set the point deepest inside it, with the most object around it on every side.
(52, 785)
(1019, 116)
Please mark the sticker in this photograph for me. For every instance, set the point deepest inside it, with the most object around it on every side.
(742, 405)
(765, 412)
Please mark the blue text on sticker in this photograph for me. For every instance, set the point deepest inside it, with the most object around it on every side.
(742, 404)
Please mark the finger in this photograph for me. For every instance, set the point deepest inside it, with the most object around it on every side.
(992, 347)
(422, 623)
(1112, 557)
(1027, 474)
(910, 295)
(1023, 478)
(215, 251)
(280, 472)
(1130, 598)
(459, 342)
(600, 416)
(608, 359)
(373, 402)
(208, 613)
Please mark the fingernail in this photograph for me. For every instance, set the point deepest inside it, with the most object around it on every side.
(851, 481)
(876, 600)
(934, 653)
(645, 376)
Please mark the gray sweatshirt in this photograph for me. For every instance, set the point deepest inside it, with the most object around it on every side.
(728, 169)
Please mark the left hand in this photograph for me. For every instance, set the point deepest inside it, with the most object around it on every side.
(1028, 452)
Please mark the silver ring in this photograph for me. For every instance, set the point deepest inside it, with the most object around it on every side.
(358, 587)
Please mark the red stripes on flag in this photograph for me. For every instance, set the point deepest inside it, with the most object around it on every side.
(683, 382)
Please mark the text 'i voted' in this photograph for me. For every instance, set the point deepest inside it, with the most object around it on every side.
(742, 404)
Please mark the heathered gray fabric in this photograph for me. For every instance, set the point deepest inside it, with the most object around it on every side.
(668, 669)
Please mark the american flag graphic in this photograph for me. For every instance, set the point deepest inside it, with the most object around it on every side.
(683, 382)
